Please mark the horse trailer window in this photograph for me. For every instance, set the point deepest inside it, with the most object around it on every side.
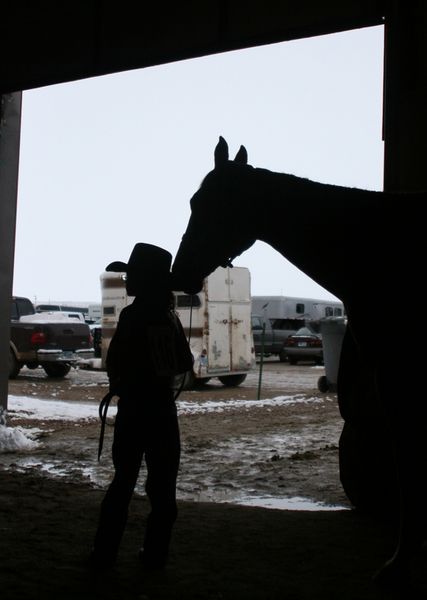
(300, 309)
(338, 312)
(109, 310)
(187, 301)
(329, 311)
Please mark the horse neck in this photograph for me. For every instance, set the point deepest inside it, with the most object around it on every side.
(315, 226)
(285, 204)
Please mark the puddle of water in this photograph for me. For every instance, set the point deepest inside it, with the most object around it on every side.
(295, 503)
(99, 475)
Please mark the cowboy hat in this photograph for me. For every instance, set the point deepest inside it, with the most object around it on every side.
(145, 260)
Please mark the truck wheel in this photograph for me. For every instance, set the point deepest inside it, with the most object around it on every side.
(32, 365)
(56, 370)
(14, 366)
(232, 380)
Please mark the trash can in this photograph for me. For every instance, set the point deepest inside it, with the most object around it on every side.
(332, 330)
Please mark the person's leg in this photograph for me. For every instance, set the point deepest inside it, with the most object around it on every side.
(127, 457)
(162, 458)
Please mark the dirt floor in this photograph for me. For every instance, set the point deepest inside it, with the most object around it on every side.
(235, 449)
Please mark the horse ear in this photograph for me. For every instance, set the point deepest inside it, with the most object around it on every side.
(221, 152)
(242, 156)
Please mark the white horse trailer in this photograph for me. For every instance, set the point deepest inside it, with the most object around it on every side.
(217, 321)
(113, 299)
(285, 308)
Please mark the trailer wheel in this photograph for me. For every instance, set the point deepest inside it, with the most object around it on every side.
(56, 370)
(185, 381)
(14, 366)
(283, 357)
(232, 380)
(322, 384)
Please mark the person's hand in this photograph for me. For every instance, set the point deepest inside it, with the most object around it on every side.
(114, 387)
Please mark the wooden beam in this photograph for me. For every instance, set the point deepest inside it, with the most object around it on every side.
(10, 128)
(405, 97)
(67, 41)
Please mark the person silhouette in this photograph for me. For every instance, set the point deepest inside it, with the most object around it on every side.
(146, 351)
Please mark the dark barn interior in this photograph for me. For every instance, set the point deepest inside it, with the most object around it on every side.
(44, 43)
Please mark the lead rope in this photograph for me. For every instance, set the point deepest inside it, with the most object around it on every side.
(103, 409)
(191, 319)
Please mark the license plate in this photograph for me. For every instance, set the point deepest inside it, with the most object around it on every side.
(302, 344)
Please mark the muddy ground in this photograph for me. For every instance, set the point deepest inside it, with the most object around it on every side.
(232, 448)
(233, 451)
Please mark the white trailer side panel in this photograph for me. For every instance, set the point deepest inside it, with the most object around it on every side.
(241, 343)
(230, 346)
(219, 337)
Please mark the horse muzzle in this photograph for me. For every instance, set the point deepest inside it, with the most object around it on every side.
(186, 282)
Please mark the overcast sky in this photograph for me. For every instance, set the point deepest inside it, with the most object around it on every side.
(110, 161)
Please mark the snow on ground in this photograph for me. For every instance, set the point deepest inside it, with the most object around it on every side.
(13, 439)
(36, 409)
(25, 407)
(41, 409)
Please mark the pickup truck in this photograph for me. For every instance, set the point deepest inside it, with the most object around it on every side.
(276, 333)
(49, 340)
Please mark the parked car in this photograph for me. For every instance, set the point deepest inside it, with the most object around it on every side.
(276, 332)
(304, 345)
